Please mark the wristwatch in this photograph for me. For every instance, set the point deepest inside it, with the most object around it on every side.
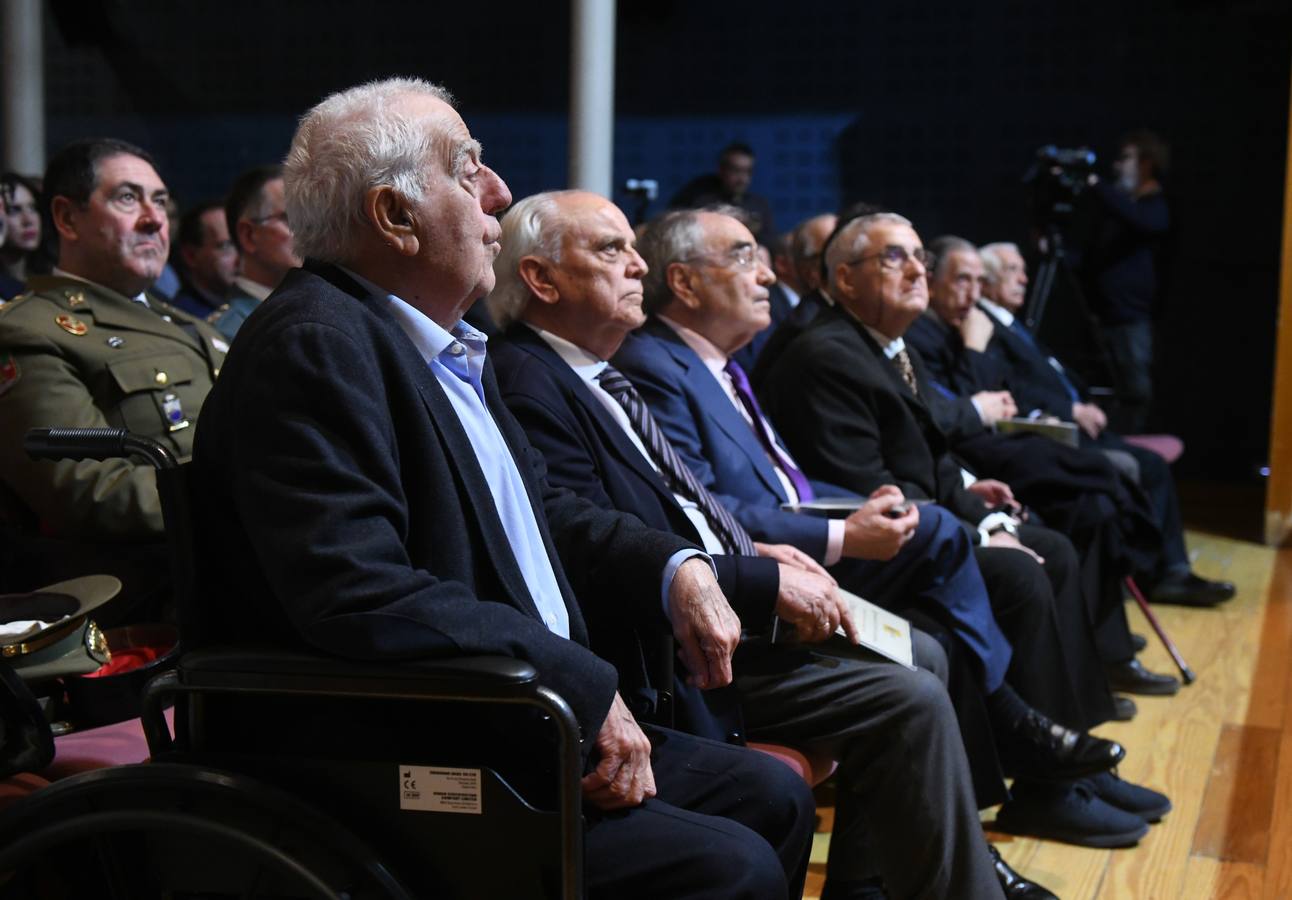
(1006, 526)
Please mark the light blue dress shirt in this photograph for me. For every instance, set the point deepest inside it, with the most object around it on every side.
(457, 360)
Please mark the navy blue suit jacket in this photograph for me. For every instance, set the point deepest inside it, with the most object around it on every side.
(330, 464)
(1028, 373)
(714, 440)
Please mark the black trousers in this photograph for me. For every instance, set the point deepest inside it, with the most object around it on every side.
(727, 823)
(1055, 666)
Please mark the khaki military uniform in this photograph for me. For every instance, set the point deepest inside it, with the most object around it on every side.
(77, 354)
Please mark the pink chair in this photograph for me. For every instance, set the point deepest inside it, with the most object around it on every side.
(1167, 446)
(813, 768)
(120, 744)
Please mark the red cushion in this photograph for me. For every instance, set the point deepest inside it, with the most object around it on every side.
(813, 768)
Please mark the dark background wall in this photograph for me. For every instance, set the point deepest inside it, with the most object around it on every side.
(934, 109)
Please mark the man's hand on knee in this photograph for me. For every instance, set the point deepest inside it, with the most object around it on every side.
(623, 777)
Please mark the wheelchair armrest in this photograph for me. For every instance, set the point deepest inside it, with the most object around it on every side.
(263, 671)
(218, 665)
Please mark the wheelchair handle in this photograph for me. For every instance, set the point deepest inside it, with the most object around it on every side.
(95, 443)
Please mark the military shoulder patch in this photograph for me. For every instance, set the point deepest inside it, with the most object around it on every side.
(9, 373)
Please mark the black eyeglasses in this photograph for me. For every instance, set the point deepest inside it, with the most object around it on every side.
(895, 257)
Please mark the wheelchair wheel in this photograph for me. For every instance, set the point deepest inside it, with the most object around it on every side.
(177, 832)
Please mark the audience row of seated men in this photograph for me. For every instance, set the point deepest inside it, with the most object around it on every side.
(389, 505)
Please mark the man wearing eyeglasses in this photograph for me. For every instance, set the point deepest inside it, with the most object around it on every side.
(257, 216)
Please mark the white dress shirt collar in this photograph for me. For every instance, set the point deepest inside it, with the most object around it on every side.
(890, 346)
(1004, 316)
(255, 289)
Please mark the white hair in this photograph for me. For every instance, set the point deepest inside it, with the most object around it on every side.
(852, 240)
(992, 264)
(532, 227)
(352, 141)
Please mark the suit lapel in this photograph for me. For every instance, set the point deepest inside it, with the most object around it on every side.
(611, 435)
(717, 405)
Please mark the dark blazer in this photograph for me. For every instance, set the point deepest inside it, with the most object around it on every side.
(587, 452)
(330, 462)
(1029, 374)
(799, 318)
(950, 363)
(714, 440)
(848, 416)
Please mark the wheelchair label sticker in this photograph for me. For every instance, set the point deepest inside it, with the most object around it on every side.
(439, 790)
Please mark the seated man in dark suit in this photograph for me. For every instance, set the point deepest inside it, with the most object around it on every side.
(1043, 384)
(384, 505)
(569, 287)
(1094, 510)
(208, 258)
(806, 246)
(852, 402)
(256, 216)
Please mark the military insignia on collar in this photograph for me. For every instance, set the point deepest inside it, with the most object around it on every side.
(71, 324)
(75, 298)
(8, 373)
(220, 345)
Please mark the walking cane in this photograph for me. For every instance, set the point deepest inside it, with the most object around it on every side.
(1186, 674)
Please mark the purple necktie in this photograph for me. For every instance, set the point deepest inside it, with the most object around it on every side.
(740, 382)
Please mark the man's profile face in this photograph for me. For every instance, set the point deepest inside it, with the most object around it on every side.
(122, 231)
(956, 287)
(214, 262)
(736, 171)
(885, 295)
(271, 237)
(455, 222)
(1010, 288)
(599, 276)
(731, 282)
(816, 232)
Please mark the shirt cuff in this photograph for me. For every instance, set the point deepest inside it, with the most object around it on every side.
(674, 563)
(978, 409)
(990, 521)
(834, 542)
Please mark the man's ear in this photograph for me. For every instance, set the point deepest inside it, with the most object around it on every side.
(394, 219)
(680, 279)
(63, 212)
(244, 236)
(536, 272)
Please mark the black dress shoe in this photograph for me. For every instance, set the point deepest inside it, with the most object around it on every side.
(1131, 677)
(1015, 886)
(1138, 641)
(1041, 749)
(1123, 708)
(1188, 589)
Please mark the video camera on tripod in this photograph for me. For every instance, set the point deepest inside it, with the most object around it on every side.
(1056, 178)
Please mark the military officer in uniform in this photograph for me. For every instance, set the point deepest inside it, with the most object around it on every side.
(87, 346)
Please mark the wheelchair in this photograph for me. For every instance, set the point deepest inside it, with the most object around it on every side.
(222, 810)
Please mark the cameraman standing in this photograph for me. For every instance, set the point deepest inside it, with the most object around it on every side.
(1130, 220)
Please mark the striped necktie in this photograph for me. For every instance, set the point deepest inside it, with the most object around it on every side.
(680, 479)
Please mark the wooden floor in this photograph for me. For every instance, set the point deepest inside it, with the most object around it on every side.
(1221, 749)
